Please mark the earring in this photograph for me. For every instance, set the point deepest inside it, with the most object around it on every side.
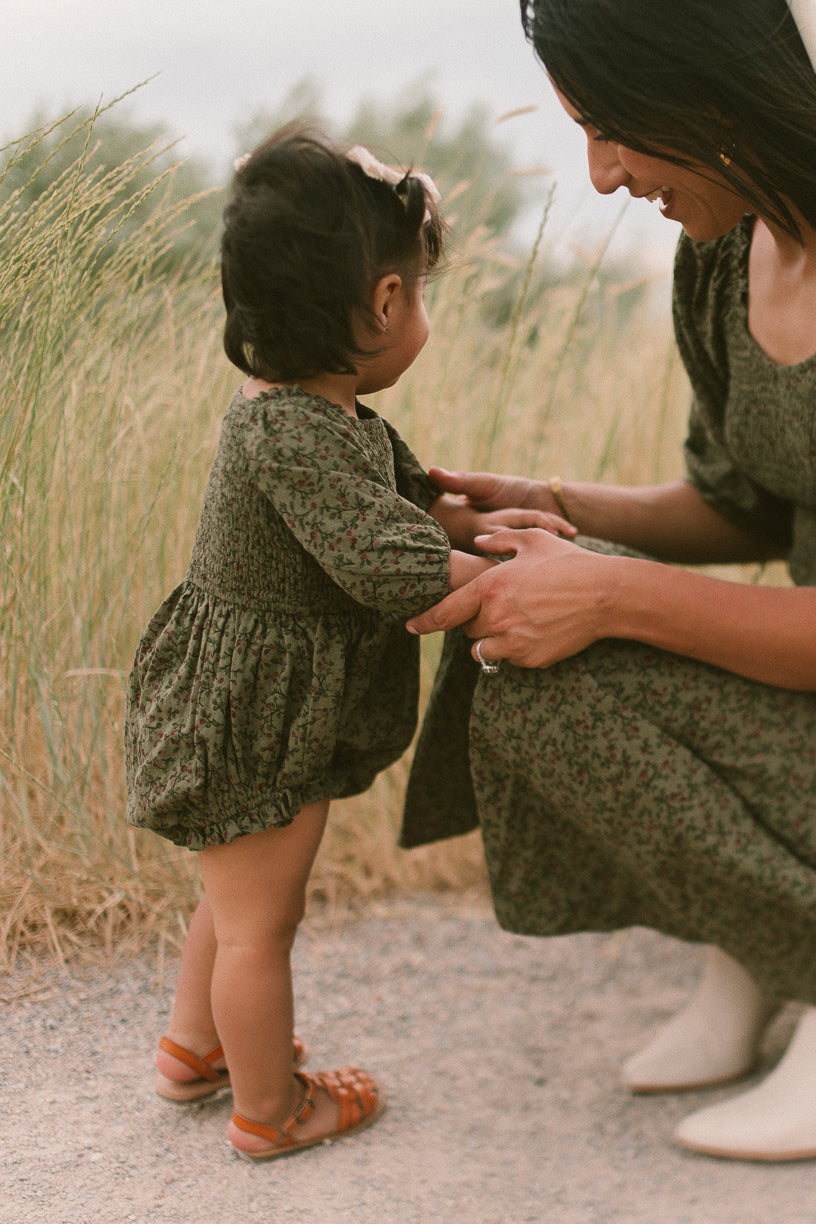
(724, 158)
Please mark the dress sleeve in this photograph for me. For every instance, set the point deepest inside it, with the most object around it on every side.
(413, 482)
(337, 501)
(706, 284)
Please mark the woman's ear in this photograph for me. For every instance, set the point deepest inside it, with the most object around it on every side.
(384, 296)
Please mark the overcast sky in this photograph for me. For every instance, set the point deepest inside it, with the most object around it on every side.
(220, 60)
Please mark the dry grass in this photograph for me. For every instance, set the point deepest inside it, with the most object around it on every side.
(112, 388)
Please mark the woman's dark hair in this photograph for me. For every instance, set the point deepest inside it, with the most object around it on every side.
(307, 234)
(728, 86)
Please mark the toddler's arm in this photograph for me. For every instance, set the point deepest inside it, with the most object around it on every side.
(464, 567)
(380, 548)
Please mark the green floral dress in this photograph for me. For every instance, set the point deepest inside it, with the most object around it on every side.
(629, 786)
(280, 671)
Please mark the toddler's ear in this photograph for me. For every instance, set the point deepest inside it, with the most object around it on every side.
(383, 297)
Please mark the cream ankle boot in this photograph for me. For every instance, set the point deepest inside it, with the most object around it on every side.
(713, 1040)
(775, 1121)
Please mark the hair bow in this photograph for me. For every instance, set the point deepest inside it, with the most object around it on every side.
(804, 14)
(375, 169)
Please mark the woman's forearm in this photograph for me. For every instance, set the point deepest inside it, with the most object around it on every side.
(551, 599)
(670, 521)
(763, 633)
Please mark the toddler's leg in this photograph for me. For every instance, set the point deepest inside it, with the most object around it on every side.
(192, 1035)
(256, 887)
(192, 1026)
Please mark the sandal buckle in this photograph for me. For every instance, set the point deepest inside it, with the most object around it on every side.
(306, 1107)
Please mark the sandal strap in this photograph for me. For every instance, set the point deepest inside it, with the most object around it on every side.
(354, 1091)
(201, 1065)
(300, 1112)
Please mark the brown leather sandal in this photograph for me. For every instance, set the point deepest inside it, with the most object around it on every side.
(210, 1080)
(357, 1094)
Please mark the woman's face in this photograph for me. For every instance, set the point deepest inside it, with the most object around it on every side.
(705, 205)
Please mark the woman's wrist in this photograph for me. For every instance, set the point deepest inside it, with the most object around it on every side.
(625, 600)
(569, 501)
(586, 506)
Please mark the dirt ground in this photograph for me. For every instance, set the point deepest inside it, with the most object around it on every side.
(500, 1056)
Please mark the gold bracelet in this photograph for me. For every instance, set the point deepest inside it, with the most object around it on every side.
(557, 491)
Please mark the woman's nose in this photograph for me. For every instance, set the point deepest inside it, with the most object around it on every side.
(605, 168)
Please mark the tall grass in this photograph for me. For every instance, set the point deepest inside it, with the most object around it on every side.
(112, 387)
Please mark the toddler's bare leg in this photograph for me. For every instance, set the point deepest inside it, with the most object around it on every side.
(192, 1025)
(256, 887)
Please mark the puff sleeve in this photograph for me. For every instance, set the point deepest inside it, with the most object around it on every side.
(707, 307)
(332, 480)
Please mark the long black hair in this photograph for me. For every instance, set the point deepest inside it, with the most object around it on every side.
(306, 235)
(725, 86)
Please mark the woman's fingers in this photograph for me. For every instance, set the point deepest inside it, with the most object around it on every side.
(455, 609)
(531, 542)
(484, 490)
(499, 519)
(485, 653)
(458, 482)
(465, 604)
(511, 610)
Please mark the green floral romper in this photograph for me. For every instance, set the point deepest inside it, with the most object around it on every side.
(629, 786)
(280, 671)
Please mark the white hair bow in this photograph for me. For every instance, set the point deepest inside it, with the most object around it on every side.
(375, 169)
(804, 14)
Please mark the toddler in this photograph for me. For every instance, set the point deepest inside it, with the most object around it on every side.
(279, 674)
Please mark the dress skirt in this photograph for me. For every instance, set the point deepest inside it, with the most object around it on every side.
(628, 786)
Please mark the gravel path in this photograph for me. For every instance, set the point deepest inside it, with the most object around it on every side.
(499, 1054)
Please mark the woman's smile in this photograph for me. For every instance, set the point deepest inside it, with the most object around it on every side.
(663, 194)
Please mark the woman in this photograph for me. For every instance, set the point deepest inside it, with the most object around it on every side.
(646, 753)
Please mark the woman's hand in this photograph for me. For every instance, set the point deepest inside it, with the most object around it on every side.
(489, 491)
(491, 508)
(548, 602)
(463, 524)
(552, 599)
(669, 521)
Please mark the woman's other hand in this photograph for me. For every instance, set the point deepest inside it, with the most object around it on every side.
(482, 504)
(547, 602)
(490, 491)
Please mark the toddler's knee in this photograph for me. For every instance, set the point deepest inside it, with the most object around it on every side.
(272, 933)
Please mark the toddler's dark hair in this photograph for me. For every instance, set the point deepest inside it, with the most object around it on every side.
(307, 234)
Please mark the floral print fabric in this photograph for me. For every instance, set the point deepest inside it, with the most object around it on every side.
(280, 671)
(628, 786)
